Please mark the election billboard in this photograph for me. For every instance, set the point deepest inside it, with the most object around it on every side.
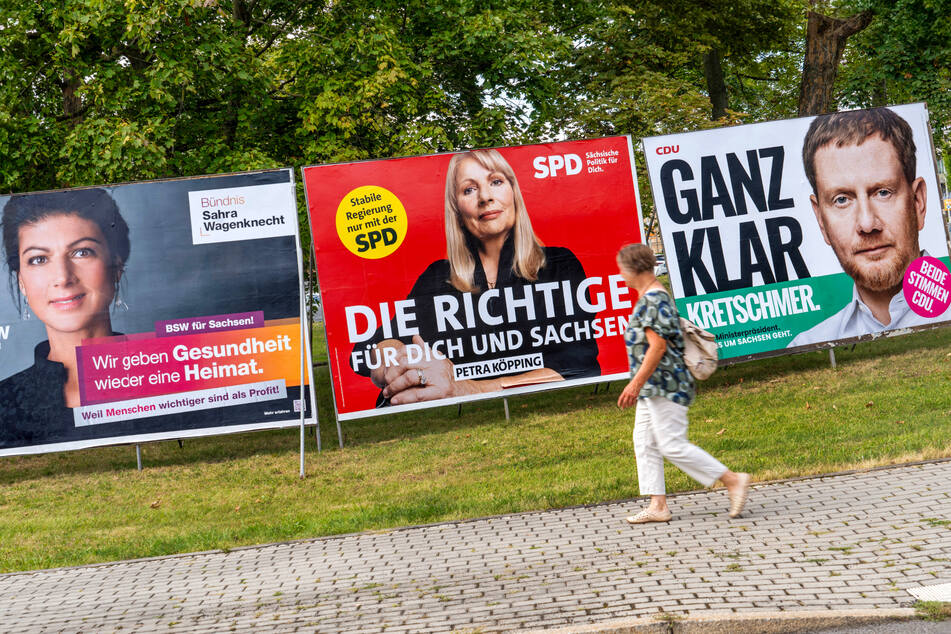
(147, 311)
(801, 233)
(472, 275)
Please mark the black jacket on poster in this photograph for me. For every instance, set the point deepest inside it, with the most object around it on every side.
(32, 407)
(571, 359)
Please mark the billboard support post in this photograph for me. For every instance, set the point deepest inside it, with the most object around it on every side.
(505, 401)
(832, 357)
(310, 334)
(305, 360)
(303, 352)
(138, 456)
(313, 391)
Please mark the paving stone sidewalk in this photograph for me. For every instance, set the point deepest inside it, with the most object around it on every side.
(850, 541)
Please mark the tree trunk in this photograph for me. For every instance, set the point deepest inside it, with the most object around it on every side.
(239, 11)
(880, 94)
(825, 42)
(716, 86)
(72, 104)
(242, 18)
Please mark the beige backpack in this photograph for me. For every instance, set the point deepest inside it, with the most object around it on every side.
(700, 350)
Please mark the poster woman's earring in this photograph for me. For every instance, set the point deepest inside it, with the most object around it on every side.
(25, 316)
(118, 302)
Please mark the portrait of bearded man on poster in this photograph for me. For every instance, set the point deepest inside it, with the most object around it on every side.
(870, 205)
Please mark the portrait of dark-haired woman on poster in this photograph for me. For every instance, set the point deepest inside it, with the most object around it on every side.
(66, 253)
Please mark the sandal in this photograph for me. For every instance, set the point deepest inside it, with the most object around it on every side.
(648, 515)
(738, 499)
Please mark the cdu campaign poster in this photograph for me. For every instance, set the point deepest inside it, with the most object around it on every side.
(804, 232)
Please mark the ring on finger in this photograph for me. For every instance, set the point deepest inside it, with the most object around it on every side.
(421, 377)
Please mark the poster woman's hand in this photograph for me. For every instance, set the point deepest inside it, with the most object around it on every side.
(428, 380)
(423, 380)
(392, 362)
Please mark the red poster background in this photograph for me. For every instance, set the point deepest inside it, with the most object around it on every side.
(592, 213)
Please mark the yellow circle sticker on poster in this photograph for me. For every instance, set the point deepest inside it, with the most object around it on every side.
(371, 222)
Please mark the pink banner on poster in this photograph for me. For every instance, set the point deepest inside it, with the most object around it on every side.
(214, 323)
(167, 365)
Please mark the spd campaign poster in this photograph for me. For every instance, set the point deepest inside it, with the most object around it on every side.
(148, 311)
(473, 275)
(798, 233)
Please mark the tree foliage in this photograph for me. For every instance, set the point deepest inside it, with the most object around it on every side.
(100, 91)
(413, 77)
(903, 56)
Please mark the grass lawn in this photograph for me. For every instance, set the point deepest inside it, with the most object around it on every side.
(888, 401)
(318, 346)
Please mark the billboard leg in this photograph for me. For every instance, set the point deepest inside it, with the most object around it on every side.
(310, 336)
(339, 434)
(304, 364)
(302, 452)
(832, 357)
(505, 401)
(138, 456)
(313, 400)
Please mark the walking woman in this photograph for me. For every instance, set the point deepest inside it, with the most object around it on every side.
(663, 389)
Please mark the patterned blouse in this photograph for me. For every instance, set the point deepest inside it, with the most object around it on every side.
(657, 311)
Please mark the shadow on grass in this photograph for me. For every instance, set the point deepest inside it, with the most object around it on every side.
(775, 367)
(439, 420)
(285, 442)
(472, 415)
(443, 419)
(165, 453)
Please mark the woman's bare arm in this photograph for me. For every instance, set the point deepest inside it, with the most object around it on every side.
(656, 346)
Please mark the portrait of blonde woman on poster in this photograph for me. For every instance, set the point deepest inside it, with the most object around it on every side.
(491, 250)
(66, 253)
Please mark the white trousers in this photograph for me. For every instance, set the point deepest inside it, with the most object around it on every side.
(660, 431)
